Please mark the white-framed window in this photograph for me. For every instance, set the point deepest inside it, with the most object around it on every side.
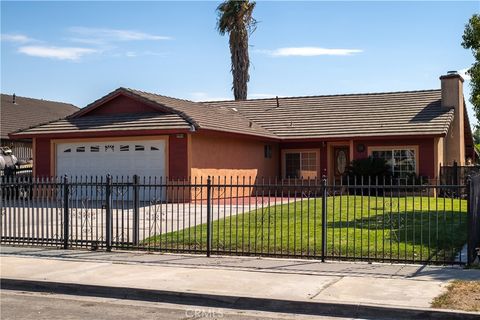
(402, 161)
(300, 164)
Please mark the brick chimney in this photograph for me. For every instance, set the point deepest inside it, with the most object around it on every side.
(452, 97)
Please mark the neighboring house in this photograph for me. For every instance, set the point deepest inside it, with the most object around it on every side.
(133, 132)
(19, 112)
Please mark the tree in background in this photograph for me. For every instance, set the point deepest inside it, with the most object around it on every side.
(471, 40)
(476, 138)
(235, 18)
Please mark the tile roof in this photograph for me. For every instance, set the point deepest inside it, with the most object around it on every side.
(186, 114)
(142, 121)
(204, 116)
(28, 112)
(333, 116)
(350, 115)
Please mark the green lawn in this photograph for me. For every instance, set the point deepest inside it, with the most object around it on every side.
(419, 229)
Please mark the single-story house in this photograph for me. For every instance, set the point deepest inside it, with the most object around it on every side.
(131, 132)
(20, 112)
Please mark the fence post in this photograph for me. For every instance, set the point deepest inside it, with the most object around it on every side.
(455, 173)
(65, 212)
(324, 217)
(136, 209)
(108, 213)
(470, 225)
(209, 218)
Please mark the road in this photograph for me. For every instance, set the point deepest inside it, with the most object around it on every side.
(16, 305)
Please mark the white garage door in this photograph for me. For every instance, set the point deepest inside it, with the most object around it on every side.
(118, 158)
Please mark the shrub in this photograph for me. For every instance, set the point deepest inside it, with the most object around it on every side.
(368, 168)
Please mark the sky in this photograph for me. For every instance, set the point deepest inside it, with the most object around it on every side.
(77, 52)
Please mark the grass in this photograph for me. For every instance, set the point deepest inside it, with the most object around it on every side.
(399, 228)
(460, 295)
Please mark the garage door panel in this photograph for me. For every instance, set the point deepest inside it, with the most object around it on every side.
(117, 158)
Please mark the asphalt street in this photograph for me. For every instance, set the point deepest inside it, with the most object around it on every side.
(16, 305)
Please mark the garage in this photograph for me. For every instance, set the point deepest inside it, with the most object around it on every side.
(118, 158)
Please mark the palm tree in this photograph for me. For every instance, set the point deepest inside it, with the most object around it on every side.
(235, 18)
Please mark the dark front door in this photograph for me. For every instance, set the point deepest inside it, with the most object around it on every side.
(341, 160)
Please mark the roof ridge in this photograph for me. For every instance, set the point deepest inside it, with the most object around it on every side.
(182, 114)
(324, 95)
(157, 94)
(45, 100)
(200, 104)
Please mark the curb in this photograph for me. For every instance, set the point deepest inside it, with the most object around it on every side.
(331, 309)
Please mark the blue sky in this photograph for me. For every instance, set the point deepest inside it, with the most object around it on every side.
(79, 51)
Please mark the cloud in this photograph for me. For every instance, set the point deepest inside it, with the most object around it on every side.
(93, 40)
(310, 52)
(16, 38)
(464, 74)
(135, 54)
(104, 35)
(203, 96)
(60, 53)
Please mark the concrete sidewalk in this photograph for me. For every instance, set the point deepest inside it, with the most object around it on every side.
(381, 286)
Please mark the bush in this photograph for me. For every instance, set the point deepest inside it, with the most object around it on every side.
(368, 168)
(374, 171)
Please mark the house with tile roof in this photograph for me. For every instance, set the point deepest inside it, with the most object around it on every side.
(21, 112)
(131, 132)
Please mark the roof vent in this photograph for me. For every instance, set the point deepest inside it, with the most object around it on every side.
(250, 124)
(14, 98)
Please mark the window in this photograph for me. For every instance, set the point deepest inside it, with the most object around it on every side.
(95, 149)
(80, 149)
(139, 147)
(109, 147)
(68, 150)
(402, 162)
(125, 147)
(154, 149)
(292, 165)
(267, 151)
(302, 164)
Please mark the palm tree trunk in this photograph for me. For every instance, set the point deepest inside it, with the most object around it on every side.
(240, 63)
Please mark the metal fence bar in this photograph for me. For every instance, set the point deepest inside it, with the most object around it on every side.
(65, 213)
(136, 209)
(324, 218)
(209, 216)
(473, 237)
(108, 213)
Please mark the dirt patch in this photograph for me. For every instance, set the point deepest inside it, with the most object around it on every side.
(460, 295)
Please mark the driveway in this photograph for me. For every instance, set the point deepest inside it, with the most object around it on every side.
(41, 220)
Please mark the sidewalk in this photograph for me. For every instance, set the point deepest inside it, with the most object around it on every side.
(306, 283)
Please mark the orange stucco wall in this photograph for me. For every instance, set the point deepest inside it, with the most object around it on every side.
(228, 158)
(220, 155)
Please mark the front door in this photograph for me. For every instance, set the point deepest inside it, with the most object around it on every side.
(341, 160)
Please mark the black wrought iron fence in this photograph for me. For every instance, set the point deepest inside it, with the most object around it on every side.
(456, 174)
(368, 221)
(474, 220)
